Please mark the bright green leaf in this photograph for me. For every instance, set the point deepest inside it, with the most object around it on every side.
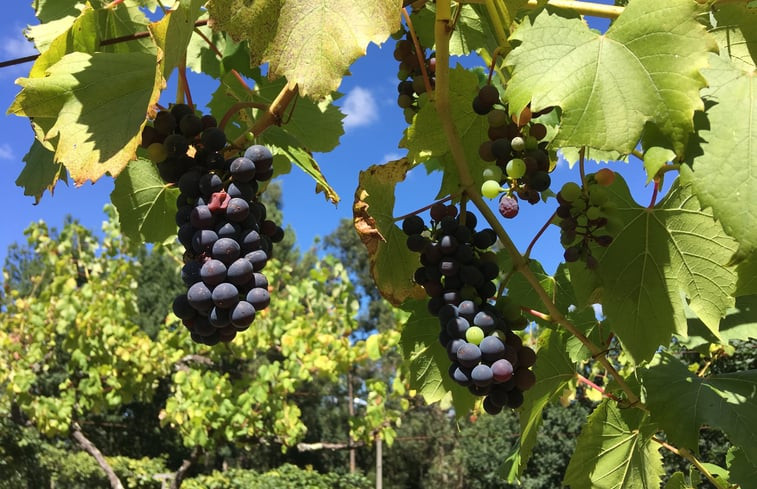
(81, 36)
(741, 470)
(49, 10)
(655, 158)
(554, 372)
(40, 173)
(740, 323)
(661, 254)
(146, 206)
(172, 34)
(728, 139)
(202, 59)
(84, 92)
(644, 68)
(372, 346)
(392, 264)
(310, 42)
(615, 451)
(677, 481)
(736, 33)
(680, 402)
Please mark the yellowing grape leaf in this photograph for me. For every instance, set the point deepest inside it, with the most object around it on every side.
(729, 140)
(644, 68)
(146, 205)
(680, 402)
(615, 451)
(98, 102)
(392, 264)
(310, 42)
(172, 33)
(736, 33)
(660, 256)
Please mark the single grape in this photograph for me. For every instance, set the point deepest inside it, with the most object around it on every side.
(489, 95)
(469, 355)
(213, 272)
(524, 379)
(501, 148)
(482, 375)
(539, 131)
(259, 298)
(492, 349)
(190, 126)
(200, 297)
(502, 370)
(498, 118)
(492, 172)
(242, 169)
(242, 315)
(237, 210)
(225, 295)
(570, 191)
(508, 206)
(518, 143)
(182, 308)
(516, 168)
(240, 271)
(413, 225)
(491, 189)
(258, 258)
(604, 177)
(203, 240)
(526, 357)
(219, 317)
(539, 181)
(474, 335)
(157, 152)
(479, 107)
(175, 145)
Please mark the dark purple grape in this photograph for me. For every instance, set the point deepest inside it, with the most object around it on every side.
(203, 240)
(489, 95)
(190, 126)
(202, 218)
(502, 370)
(200, 297)
(237, 210)
(210, 183)
(258, 259)
(413, 225)
(240, 272)
(242, 315)
(226, 250)
(482, 375)
(259, 298)
(526, 357)
(469, 355)
(175, 145)
(492, 349)
(213, 138)
(182, 308)
(490, 406)
(261, 155)
(242, 169)
(461, 375)
(219, 317)
(225, 295)
(213, 272)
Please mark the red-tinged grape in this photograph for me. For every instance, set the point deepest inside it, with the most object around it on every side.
(489, 95)
(508, 206)
(604, 177)
(502, 370)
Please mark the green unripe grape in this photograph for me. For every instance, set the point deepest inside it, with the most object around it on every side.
(404, 100)
(578, 205)
(570, 191)
(491, 189)
(474, 335)
(516, 168)
(593, 213)
(518, 143)
(493, 172)
(498, 118)
(157, 152)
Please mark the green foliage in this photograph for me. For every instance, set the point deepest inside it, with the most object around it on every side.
(284, 477)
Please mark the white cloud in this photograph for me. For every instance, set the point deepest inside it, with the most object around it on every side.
(6, 153)
(360, 108)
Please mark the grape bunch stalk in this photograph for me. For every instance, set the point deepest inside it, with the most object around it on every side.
(221, 223)
(457, 274)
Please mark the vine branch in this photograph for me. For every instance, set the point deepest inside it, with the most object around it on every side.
(442, 37)
(272, 116)
(685, 453)
(418, 52)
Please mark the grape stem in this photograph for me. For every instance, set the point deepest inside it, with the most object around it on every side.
(419, 52)
(654, 193)
(113, 4)
(423, 209)
(183, 82)
(272, 116)
(685, 453)
(581, 170)
(442, 37)
(491, 65)
(499, 31)
(583, 8)
(538, 235)
(583, 380)
(537, 314)
(236, 108)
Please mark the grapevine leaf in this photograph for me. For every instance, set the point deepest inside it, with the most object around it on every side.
(425, 139)
(659, 255)
(554, 372)
(83, 91)
(644, 68)
(736, 34)
(583, 317)
(146, 206)
(284, 143)
(741, 470)
(124, 20)
(80, 36)
(40, 173)
(50, 10)
(614, 450)
(747, 270)
(655, 158)
(470, 34)
(740, 323)
(172, 33)
(677, 481)
(201, 58)
(310, 42)
(680, 402)
(731, 129)
(392, 264)
(428, 360)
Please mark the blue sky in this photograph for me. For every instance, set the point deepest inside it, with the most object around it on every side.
(373, 127)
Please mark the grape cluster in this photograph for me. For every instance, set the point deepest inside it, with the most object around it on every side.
(517, 153)
(457, 273)
(411, 83)
(584, 217)
(223, 227)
